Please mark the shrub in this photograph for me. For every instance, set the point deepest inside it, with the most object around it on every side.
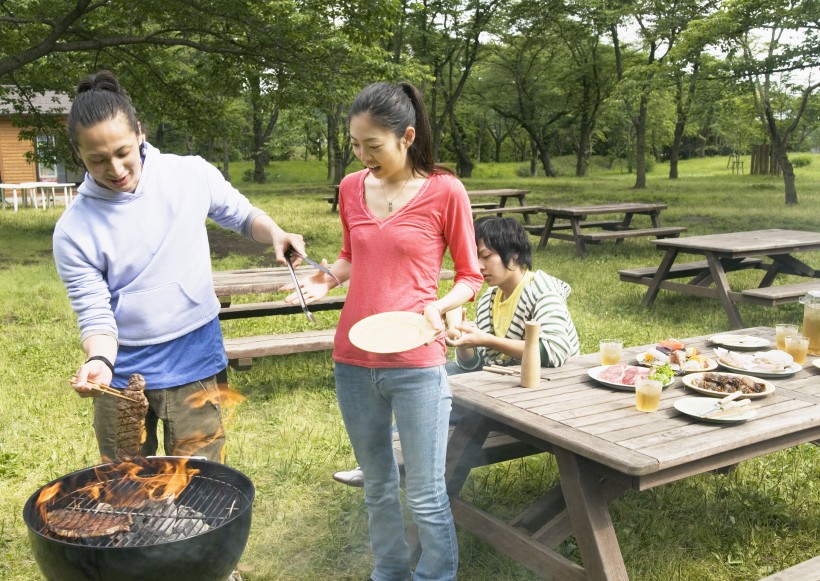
(800, 161)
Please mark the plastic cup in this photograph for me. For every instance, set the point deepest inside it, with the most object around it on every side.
(798, 347)
(782, 330)
(611, 350)
(648, 395)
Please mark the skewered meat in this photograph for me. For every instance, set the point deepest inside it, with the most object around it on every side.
(75, 524)
(130, 434)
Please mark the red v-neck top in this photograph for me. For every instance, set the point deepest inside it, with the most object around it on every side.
(395, 262)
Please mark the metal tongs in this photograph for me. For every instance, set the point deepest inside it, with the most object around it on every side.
(289, 256)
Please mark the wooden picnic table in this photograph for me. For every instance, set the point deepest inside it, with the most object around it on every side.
(500, 207)
(574, 218)
(603, 447)
(728, 252)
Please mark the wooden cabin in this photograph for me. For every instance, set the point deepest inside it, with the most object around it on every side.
(15, 168)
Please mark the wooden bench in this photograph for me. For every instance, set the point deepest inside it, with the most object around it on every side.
(805, 571)
(265, 309)
(778, 295)
(483, 205)
(242, 351)
(683, 270)
(539, 229)
(662, 232)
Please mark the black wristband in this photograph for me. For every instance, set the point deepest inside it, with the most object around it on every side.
(104, 360)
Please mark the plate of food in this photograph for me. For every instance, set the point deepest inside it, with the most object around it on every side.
(705, 408)
(721, 384)
(768, 364)
(622, 376)
(816, 363)
(680, 357)
(740, 342)
(391, 332)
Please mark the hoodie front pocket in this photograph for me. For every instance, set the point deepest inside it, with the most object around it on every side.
(154, 313)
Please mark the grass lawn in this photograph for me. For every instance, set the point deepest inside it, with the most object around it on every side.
(288, 436)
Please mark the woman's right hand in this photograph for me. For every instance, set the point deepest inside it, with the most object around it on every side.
(313, 287)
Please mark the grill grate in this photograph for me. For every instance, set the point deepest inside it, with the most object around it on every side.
(203, 505)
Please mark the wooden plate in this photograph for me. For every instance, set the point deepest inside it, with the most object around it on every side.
(693, 380)
(391, 332)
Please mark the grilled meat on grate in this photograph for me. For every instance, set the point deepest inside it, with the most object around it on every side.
(130, 425)
(74, 524)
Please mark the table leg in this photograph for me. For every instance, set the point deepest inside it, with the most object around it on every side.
(656, 219)
(660, 275)
(591, 522)
(545, 235)
(791, 265)
(463, 447)
(580, 249)
(722, 288)
(625, 224)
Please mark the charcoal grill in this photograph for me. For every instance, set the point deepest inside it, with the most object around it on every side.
(199, 535)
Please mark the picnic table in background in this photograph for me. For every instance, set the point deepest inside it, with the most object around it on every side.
(574, 218)
(603, 447)
(729, 252)
(500, 207)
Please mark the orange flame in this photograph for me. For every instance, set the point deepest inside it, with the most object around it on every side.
(224, 396)
(195, 442)
(46, 494)
(156, 480)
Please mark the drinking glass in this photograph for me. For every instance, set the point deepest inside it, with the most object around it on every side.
(648, 395)
(798, 347)
(782, 330)
(611, 350)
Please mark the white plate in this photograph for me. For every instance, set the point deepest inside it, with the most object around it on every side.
(816, 363)
(391, 332)
(641, 359)
(697, 406)
(693, 380)
(740, 342)
(596, 372)
(788, 372)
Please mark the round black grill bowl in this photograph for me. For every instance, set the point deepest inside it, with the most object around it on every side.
(209, 556)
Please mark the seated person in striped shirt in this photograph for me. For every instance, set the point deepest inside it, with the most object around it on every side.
(516, 294)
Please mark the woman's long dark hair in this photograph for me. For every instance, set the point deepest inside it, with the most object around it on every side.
(100, 97)
(397, 107)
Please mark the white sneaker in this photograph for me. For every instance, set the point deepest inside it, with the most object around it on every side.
(353, 477)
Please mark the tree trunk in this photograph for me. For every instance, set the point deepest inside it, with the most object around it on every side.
(640, 145)
(584, 151)
(788, 174)
(464, 165)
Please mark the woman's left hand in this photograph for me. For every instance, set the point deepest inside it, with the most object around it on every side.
(435, 318)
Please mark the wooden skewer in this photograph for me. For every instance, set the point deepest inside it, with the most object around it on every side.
(101, 387)
(501, 370)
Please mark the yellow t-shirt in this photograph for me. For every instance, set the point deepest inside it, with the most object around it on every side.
(503, 311)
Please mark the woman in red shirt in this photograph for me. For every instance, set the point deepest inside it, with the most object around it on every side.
(399, 215)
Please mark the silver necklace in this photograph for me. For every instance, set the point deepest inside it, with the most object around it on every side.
(390, 200)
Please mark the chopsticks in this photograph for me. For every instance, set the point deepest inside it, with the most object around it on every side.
(500, 370)
(102, 388)
(731, 411)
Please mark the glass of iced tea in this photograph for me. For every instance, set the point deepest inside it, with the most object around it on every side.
(782, 330)
(648, 395)
(611, 350)
(798, 347)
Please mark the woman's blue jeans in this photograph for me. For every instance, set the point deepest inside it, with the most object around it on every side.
(420, 400)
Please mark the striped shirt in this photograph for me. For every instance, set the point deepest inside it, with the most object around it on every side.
(543, 300)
